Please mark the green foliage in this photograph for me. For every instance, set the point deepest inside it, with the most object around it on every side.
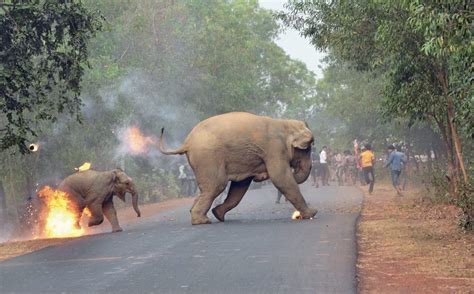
(466, 203)
(164, 63)
(43, 52)
(423, 52)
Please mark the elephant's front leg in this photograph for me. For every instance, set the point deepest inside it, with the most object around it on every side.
(111, 214)
(282, 177)
(236, 193)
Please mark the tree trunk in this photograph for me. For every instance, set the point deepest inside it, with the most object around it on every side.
(452, 177)
(451, 113)
(456, 140)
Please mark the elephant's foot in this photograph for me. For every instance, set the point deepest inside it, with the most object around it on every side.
(95, 221)
(218, 214)
(200, 220)
(308, 213)
(118, 229)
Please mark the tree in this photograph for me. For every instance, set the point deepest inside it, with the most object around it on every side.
(43, 53)
(424, 51)
(422, 47)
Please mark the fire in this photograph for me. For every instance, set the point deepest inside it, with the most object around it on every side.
(33, 147)
(85, 166)
(87, 212)
(60, 220)
(296, 215)
(136, 141)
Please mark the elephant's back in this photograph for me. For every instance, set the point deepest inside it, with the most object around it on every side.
(228, 125)
(79, 180)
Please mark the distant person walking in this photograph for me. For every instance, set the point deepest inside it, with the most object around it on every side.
(316, 168)
(350, 165)
(323, 161)
(395, 160)
(367, 162)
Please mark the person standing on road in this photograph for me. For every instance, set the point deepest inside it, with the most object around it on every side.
(395, 160)
(341, 163)
(323, 161)
(191, 181)
(279, 195)
(367, 162)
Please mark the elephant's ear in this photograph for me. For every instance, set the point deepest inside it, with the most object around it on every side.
(115, 177)
(302, 139)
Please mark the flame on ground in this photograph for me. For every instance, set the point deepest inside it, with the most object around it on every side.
(59, 218)
(136, 141)
(296, 215)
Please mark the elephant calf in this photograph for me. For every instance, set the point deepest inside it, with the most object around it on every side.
(95, 190)
(241, 147)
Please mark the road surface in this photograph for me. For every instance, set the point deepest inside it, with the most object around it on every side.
(259, 249)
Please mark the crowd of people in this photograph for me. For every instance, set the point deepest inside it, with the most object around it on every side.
(348, 167)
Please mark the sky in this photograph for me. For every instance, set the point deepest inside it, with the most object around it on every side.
(295, 45)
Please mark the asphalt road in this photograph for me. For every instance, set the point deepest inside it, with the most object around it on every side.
(259, 249)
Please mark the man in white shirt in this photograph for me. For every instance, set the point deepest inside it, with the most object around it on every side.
(323, 159)
(182, 177)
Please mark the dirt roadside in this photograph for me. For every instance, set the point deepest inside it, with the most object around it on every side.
(126, 216)
(407, 245)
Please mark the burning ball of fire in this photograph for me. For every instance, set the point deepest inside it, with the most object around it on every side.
(59, 218)
(85, 166)
(296, 215)
(136, 141)
(33, 147)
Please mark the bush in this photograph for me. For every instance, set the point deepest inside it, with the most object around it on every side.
(466, 203)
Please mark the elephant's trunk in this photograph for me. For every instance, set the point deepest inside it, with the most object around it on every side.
(135, 201)
(302, 171)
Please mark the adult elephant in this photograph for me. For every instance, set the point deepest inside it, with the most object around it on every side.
(95, 190)
(241, 147)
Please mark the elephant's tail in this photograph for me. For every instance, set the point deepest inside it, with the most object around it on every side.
(180, 150)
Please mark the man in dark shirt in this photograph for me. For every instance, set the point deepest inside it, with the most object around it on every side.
(395, 160)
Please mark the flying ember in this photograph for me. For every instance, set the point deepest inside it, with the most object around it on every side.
(60, 219)
(85, 166)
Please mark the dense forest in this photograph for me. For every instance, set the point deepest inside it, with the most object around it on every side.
(74, 75)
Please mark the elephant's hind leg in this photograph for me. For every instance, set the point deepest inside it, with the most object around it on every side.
(236, 193)
(96, 214)
(111, 215)
(202, 204)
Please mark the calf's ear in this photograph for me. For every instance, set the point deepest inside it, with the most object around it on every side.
(115, 177)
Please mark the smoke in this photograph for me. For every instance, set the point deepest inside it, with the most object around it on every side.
(6, 228)
(147, 105)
